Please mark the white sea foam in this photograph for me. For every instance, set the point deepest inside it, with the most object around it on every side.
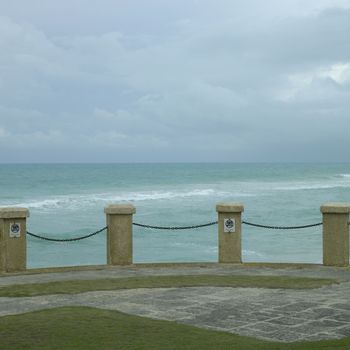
(40, 204)
(78, 201)
(335, 182)
(250, 189)
(155, 195)
(249, 253)
(311, 186)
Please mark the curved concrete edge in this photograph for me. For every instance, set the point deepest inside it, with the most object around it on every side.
(177, 266)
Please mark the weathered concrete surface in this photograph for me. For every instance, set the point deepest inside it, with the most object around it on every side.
(230, 244)
(335, 234)
(119, 234)
(273, 314)
(13, 252)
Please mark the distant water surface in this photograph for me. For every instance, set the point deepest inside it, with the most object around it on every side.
(68, 199)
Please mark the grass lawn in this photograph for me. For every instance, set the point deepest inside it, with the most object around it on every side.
(83, 328)
(78, 286)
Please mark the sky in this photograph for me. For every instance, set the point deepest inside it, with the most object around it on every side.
(174, 81)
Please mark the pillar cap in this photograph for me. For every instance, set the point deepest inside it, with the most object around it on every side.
(335, 208)
(13, 213)
(229, 207)
(121, 209)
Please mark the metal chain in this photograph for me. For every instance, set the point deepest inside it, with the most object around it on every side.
(66, 239)
(281, 227)
(174, 227)
(215, 222)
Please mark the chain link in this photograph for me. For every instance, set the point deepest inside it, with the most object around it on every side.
(66, 239)
(215, 222)
(281, 227)
(174, 227)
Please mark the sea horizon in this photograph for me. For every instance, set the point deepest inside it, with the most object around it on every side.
(177, 162)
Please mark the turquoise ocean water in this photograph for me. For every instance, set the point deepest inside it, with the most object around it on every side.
(67, 200)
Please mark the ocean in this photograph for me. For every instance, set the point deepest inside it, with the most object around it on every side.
(67, 200)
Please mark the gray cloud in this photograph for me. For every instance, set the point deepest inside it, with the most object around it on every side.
(194, 81)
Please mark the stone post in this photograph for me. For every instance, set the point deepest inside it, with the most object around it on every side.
(119, 234)
(13, 242)
(335, 234)
(229, 229)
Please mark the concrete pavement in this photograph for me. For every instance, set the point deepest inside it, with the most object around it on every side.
(273, 314)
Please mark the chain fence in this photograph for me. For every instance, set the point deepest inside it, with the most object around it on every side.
(216, 222)
(175, 227)
(73, 239)
(281, 227)
(189, 227)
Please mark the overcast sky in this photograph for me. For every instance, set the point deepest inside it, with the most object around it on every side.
(165, 80)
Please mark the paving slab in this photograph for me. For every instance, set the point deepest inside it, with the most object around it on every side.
(284, 315)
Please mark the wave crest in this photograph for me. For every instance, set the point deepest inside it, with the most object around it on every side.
(78, 201)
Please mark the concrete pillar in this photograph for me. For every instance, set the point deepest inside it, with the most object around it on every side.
(229, 229)
(119, 234)
(13, 242)
(335, 234)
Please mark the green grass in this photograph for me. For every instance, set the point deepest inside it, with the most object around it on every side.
(78, 286)
(82, 328)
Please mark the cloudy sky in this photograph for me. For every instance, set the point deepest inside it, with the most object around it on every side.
(164, 80)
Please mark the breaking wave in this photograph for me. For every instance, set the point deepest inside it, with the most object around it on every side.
(75, 201)
(338, 181)
(297, 187)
